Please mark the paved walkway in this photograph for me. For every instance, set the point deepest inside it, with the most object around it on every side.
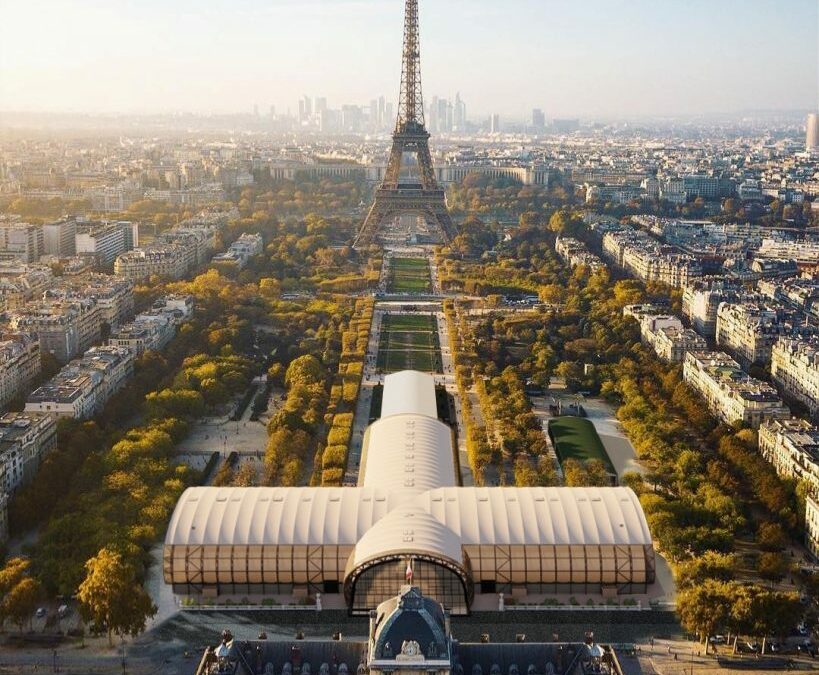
(540, 407)
(369, 379)
(617, 444)
(447, 379)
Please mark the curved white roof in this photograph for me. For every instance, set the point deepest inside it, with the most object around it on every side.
(276, 516)
(407, 529)
(409, 391)
(374, 520)
(408, 452)
(544, 516)
(408, 501)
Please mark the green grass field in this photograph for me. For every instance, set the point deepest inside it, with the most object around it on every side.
(404, 340)
(576, 438)
(409, 322)
(410, 359)
(409, 275)
(409, 342)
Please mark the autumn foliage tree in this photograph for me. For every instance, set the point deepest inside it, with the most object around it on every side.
(20, 592)
(111, 597)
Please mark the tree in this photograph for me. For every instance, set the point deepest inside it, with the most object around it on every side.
(246, 475)
(19, 591)
(270, 288)
(275, 373)
(19, 602)
(175, 403)
(304, 370)
(710, 565)
(525, 475)
(574, 473)
(772, 566)
(771, 537)
(111, 598)
(571, 372)
(706, 607)
(760, 612)
(598, 475)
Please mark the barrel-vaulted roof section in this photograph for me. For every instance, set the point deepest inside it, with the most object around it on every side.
(545, 516)
(408, 452)
(375, 519)
(276, 516)
(409, 529)
(409, 391)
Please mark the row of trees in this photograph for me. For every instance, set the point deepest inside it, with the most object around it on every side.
(111, 599)
(713, 605)
(104, 497)
(706, 484)
(478, 450)
(344, 393)
(295, 429)
(514, 432)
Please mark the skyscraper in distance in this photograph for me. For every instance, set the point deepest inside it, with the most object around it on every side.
(538, 119)
(374, 115)
(460, 113)
(441, 114)
(812, 133)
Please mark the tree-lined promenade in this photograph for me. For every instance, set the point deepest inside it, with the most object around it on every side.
(103, 498)
(706, 488)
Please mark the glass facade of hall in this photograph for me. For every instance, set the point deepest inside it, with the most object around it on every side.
(254, 569)
(260, 570)
(550, 568)
(379, 582)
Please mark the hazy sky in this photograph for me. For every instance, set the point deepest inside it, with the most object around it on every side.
(569, 57)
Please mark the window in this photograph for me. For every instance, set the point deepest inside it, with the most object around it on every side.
(383, 581)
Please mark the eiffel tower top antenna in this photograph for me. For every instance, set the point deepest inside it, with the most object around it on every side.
(411, 100)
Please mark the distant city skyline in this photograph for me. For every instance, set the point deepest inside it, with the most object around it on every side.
(599, 58)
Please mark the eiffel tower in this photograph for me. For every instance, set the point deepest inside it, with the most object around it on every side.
(421, 195)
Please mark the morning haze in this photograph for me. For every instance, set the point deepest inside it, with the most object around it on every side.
(598, 58)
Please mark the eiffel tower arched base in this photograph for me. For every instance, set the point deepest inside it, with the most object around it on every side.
(388, 203)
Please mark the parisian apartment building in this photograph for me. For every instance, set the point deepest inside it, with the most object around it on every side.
(702, 298)
(795, 370)
(20, 364)
(730, 393)
(25, 438)
(749, 330)
(665, 333)
(82, 387)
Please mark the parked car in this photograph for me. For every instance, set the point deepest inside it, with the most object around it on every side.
(806, 647)
(62, 611)
(802, 629)
(40, 613)
(774, 647)
(752, 647)
(717, 639)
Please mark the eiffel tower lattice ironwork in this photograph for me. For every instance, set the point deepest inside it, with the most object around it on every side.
(396, 195)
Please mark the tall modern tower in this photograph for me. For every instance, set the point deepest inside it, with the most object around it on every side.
(414, 194)
(812, 135)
